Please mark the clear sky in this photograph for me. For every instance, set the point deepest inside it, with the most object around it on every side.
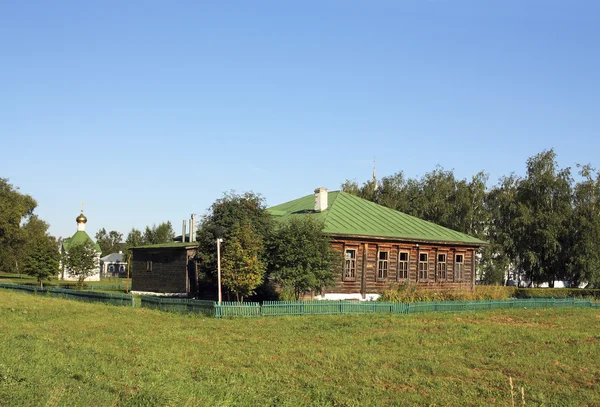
(150, 110)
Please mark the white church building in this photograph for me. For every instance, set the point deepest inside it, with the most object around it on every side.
(79, 237)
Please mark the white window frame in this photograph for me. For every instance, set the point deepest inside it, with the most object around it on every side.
(420, 269)
(459, 267)
(442, 267)
(407, 262)
(350, 264)
(383, 265)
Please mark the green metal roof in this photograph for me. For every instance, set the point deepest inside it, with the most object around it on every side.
(79, 237)
(350, 215)
(168, 245)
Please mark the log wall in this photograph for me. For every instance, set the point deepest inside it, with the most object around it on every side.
(368, 281)
(169, 272)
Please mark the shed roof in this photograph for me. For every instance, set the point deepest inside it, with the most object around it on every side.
(353, 216)
(113, 258)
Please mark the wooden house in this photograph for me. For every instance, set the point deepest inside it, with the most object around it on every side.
(382, 246)
(167, 268)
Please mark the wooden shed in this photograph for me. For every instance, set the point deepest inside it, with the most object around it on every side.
(382, 246)
(167, 268)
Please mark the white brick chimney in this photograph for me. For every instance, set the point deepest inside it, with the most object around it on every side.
(320, 199)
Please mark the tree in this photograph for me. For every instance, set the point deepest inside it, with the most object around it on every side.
(81, 260)
(233, 210)
(301, 256)
(504, 231)
(14, 207)
(41, 259)
(545, 195)
(163, 233)
(584, 230)
(242, 269)
(109, 242)
(135, 238)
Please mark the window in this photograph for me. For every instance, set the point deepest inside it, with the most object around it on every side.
(111, 268)
(403, 266)
(459, 267)
(423, 266)
(441, 267)
(382, 265)
(350, 265)
(121, 268)
(148, 266)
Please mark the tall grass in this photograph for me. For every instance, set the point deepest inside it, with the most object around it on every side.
(406, 292)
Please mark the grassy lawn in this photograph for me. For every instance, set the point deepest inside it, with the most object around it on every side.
(56, 352)
(105, 284)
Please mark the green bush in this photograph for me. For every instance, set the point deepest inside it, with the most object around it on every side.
(557, 293)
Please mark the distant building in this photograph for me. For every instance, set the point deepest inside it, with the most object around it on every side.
(78, 238)
(113, 265)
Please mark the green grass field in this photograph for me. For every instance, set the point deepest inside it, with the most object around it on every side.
(56, 352)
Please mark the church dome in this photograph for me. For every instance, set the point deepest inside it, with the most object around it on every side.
(81, 218)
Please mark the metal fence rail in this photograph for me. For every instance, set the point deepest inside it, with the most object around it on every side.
(89, 296)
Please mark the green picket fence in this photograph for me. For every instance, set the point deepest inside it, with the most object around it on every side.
(453, 306)
(89, 296)
(184, 305)
(238, 309)
(282, 308)
(320, 307)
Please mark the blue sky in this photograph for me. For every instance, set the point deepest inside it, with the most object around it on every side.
(148, 111)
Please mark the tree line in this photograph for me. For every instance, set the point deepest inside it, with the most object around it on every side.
(542, 227)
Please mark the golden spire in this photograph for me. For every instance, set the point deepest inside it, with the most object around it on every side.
(81, 218)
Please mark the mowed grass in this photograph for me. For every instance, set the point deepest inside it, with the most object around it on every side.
(56, 352)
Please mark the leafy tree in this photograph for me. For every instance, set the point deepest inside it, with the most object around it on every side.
(14, 207)
(301, 256)
(109, 242)
(41, 258)
(31, 231)
(135, 238)
(584, 230)
(229, 212)
(504, 231)
(81, 260)
(242, 270)
(545, 195)
(163, 233)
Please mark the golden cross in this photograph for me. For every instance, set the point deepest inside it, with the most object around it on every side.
(82, 206)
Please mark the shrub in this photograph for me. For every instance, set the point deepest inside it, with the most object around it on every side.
(557, 293)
